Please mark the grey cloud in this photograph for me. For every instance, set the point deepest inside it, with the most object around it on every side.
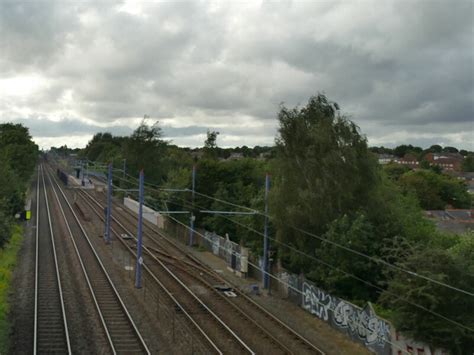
(33, 33)
(42, 127)
(392, 66)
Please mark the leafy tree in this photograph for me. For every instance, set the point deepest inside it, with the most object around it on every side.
(468, 163)
(381, 150)
(450, 150)
(145, 148)
(395, 171)
(104, 147)
(210, 144)
(18, 155)
(323, 170)
(436, 148)
(435, 191)
(18, 150)
(5, 227)
(425, 164)
(404, 149)
(11, 189)
(356, 232)
(453, 265)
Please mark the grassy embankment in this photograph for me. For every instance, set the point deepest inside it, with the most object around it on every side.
(8, 257)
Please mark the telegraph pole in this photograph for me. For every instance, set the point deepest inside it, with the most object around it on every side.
(266, 243)
(138, 275)
(192, 218)
(109, 205)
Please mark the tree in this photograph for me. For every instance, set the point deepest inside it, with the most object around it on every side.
(105, 148)
(18, 155)
(18, 150)
(210, 144)
(450, 150)
(146, 149)
(357, 232)
(453, 265)
(436, 148)
(5, 225)
(435, 191)
(394, 171)
(468, 163)
(381, 150)
(404, 149)
(323, 170)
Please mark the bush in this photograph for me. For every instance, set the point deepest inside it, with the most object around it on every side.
(7, 263)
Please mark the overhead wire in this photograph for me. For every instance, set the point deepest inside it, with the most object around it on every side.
(326, 240)
(372, 258)
(384, 339)
(379, 289)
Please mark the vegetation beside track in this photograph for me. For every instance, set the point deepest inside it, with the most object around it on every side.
(354, 227)
(8, 257)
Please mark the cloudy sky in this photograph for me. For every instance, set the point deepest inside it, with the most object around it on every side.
(402, 70)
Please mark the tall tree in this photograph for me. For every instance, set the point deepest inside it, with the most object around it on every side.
(18, 150)
(452, 264)
(324, 170)
(146, 149)
(18, 155)
(468, 163)
(210, 144)
(435, 191)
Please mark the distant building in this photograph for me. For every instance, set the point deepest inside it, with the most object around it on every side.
(263, 156)
(408, 160)
(467, 177)
(386, 158)
(446, 161)
(235, 156)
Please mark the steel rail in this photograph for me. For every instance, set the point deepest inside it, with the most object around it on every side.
(57, 277)
(56, 263)
(102, 267)
(104, 325)
(35, 326)
(190, 272)
(202, 267)
(184, 286)
(163, 287)
(261, 308)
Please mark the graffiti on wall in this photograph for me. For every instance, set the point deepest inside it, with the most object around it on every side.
(362, 322)
(224, 248)
(316, 301)
(362, 325)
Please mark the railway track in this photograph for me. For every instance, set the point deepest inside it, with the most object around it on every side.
(50, 321)
(224, 339)
(118, 325)
(280, 338)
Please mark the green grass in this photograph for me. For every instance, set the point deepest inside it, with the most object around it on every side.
(7, 262)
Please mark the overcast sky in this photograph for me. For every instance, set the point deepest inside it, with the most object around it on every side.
(402, 70)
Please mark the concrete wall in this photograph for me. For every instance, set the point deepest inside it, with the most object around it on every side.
(360, 324)
(148, 214)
